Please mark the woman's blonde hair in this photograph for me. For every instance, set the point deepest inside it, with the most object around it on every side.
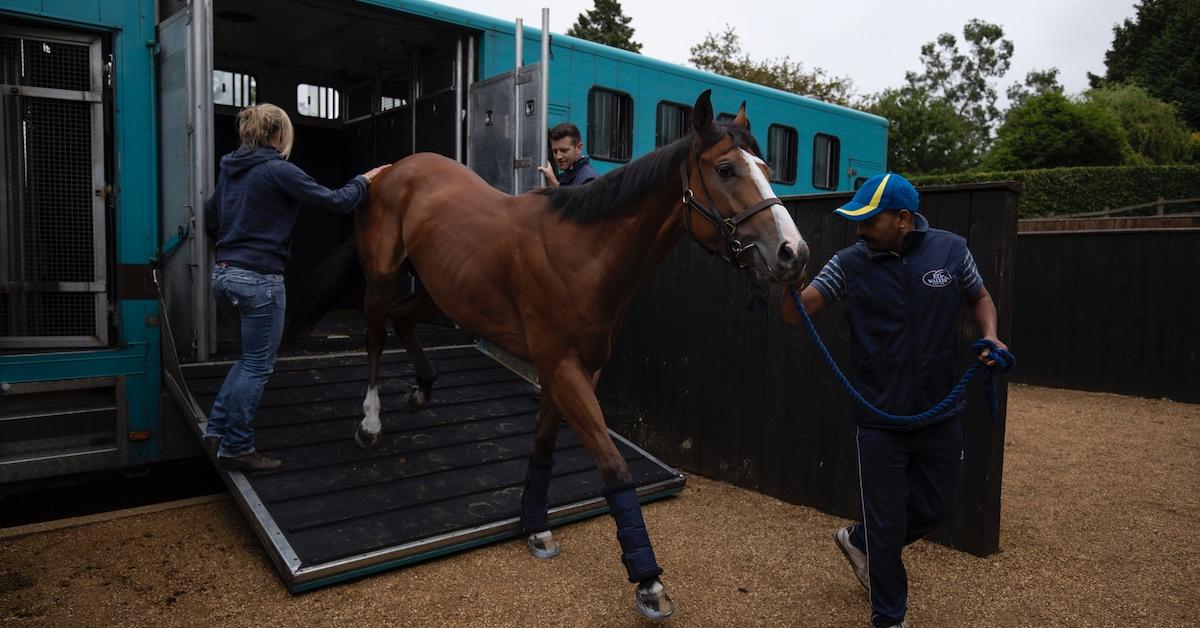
(260, 125)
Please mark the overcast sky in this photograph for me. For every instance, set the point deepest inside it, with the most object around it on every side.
(873, 42)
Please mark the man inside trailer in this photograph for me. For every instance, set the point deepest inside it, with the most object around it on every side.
(574, 167)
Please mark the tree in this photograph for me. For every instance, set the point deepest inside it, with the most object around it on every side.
(925, 134)
(606, 24)
(1154, 129)
(965, 80)
(1049, 131)
(1157, 50)
(1037, 82)
(722, 54)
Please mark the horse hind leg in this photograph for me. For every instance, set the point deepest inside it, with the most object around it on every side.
(378, 297)
(405, 315)
(535, 519)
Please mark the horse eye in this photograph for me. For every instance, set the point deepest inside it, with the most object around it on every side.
(725, 171)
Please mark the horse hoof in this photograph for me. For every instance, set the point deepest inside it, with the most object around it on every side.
(416, 399)
(542, 545)
(365, 439)
(652, 600)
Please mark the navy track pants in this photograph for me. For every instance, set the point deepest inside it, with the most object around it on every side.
(909, 482)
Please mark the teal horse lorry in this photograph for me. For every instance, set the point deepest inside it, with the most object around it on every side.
(115, 112)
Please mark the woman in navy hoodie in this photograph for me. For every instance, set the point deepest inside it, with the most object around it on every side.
(250, 217)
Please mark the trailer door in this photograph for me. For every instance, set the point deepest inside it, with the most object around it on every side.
(184, 64)
(507, 129)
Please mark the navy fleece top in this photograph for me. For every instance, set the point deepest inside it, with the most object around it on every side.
(903, 312)
(579, 173)
(255, 204)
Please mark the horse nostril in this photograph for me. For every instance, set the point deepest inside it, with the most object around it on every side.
(785, 252)
(802, 254)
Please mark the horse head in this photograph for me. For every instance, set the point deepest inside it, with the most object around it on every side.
(727, 183)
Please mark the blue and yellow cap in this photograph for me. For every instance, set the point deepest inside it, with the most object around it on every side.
(880, 192)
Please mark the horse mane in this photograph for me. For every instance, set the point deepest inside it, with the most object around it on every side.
(619, 189)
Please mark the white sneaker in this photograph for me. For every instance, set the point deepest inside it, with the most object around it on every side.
(857, 559)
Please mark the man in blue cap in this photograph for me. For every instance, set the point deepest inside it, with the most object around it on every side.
(904, 285)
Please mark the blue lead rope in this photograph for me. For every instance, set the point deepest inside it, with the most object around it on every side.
(1003, 358)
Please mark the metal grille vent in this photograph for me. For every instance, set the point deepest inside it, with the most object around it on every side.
(41, 63)
(50, 233)
(52, 268)
(59, 314)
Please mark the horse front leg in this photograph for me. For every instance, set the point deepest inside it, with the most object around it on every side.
(573, 392)
(405, 315)
(376, 302)
(535, 517)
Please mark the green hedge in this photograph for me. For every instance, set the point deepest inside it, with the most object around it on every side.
(1058, 191)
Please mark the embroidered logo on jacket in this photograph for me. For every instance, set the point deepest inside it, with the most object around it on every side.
(937, 278)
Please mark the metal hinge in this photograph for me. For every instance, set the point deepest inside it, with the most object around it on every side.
(108, 71)
(108, 194)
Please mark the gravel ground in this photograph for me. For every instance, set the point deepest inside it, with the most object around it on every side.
(1101, 497)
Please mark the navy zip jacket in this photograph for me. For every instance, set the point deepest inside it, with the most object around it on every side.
(257, 199)
(903, 313)
(579, 173)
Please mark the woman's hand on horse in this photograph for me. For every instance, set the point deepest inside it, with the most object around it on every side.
(370, 174)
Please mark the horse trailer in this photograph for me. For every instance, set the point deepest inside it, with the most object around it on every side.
(117, 111)
(115, 114)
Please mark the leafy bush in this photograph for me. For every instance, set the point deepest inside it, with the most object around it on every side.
(1156, 133)
(1050, 131)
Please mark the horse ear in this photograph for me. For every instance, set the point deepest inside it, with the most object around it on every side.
(741, 119)
(702, 113)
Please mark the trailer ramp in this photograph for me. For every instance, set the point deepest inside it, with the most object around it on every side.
(444, 479)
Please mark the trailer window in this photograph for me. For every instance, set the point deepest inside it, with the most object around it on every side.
(826, 150)
(394, 94)
(781, 153)
(316, 101)
(671, 122)
(610, 125)
(234, 89)
(391, 102)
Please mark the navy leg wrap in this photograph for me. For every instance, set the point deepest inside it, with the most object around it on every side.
(636, 552)
(534, 516)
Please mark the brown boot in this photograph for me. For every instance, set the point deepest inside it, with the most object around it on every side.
(253, 461)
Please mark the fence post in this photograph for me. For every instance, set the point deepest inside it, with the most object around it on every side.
(1160, 206)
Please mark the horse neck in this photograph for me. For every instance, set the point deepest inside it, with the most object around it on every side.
(642, 237)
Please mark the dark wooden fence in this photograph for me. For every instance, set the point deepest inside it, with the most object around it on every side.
(1110, 310)
(737, 395)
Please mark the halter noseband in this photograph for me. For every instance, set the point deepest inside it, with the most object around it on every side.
(727, 227)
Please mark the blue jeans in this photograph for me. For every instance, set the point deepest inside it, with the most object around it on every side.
(256, 303)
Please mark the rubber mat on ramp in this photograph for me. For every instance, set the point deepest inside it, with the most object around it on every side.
(444, 479)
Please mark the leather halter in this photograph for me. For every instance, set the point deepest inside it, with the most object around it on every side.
(727, 227)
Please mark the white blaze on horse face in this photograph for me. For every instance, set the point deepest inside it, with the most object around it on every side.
(783, 221)
(370, 422)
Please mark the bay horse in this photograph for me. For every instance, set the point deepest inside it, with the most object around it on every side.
(546, 276)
